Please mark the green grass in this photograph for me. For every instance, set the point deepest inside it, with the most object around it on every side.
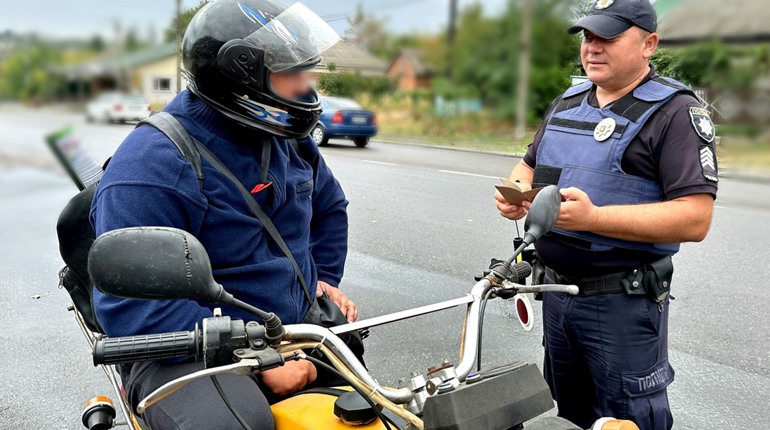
(744, 152)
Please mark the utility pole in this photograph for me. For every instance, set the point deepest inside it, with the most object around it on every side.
(451, 36)
(522, 89)
(178, 43)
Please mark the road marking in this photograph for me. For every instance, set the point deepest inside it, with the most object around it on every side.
(380, 162)
(468, 174)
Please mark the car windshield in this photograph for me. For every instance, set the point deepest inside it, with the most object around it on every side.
(335, 103)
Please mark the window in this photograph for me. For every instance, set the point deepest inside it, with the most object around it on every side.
(161, 84)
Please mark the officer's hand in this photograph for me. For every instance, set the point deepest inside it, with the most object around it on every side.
(289, 378)
(578, 213)
(346, 305)
(510, 211)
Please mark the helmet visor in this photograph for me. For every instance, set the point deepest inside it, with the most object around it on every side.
(291, 39)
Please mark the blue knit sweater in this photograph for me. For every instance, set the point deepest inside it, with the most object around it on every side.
(148, 183)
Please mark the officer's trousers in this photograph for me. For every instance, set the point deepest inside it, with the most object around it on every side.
(607, 355)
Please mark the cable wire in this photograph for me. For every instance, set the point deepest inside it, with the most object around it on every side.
(482, 309)
(317, 362)
(228, 404)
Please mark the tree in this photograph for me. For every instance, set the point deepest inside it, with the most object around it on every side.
(96, 43)
(181, 23)
(485, 61)
(25, 76)
(132, 42)
(367, 32)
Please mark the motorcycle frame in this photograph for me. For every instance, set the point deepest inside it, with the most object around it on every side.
(129, 420)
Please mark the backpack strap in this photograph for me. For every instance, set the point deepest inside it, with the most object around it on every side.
(175, 131)
(192, 151)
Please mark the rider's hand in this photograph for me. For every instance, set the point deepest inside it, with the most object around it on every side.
(346, 305)
(289, 378)
(510, 211)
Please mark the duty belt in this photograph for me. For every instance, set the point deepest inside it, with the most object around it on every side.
(593, 285)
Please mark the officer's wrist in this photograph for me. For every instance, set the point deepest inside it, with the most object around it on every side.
(596, 218)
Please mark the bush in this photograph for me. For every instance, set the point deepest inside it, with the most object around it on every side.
(346, 84)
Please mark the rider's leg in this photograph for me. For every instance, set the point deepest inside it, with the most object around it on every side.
(568, 373)
(624, 341)
(197, 405)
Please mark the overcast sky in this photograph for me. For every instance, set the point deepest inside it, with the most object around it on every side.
(83, 18)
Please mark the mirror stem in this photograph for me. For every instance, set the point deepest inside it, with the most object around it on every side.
(274, 330)
(518, 250)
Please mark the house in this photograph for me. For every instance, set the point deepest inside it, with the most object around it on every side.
(743, 22)
(411, 70)
(346, 57)
(739, 23)
(149, 71)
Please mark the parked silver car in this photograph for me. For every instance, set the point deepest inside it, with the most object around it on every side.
(117, 107)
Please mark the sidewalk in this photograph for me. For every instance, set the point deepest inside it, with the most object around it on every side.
(749, 174)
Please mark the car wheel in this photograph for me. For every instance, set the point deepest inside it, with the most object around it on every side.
(319, 136)
(361, 141)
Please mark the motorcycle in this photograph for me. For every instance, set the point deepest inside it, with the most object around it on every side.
(447, 396)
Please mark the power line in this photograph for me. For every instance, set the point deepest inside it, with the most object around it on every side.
(342, 15)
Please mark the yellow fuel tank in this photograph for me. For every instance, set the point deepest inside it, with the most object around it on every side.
(313, 411)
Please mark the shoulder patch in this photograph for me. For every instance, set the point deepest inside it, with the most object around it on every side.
(708, 163)
(701, 122)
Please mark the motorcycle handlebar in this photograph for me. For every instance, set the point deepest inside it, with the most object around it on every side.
(130, 349)
(184, 344)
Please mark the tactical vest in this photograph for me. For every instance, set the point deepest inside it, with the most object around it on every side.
(569, 154)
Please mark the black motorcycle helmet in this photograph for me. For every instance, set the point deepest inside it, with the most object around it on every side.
(230, 49)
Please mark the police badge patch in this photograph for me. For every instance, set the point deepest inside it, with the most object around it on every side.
(701, 121)
(603, 4)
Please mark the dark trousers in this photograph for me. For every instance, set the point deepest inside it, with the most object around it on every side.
(197, 405)
(607, 356)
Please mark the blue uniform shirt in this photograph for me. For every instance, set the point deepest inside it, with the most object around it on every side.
(148, 183)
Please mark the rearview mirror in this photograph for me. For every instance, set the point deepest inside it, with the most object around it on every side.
(152, 263)
(542, 214)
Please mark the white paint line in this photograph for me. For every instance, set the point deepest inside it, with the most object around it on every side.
(380, 162)
(468, 174)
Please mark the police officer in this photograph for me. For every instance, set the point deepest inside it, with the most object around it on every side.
(633, 155)
(247, 63)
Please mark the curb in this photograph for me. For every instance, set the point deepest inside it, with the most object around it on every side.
(725, 172)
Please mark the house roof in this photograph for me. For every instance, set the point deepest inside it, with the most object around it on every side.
(416, 59)
(347, 57)
(736, 21)
(113, 64)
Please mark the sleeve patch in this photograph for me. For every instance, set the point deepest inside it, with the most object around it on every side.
(708, 164)
(701, 122)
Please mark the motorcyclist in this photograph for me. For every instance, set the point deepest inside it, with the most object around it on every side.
(248, 96)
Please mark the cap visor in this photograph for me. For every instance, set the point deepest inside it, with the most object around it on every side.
(604, 26)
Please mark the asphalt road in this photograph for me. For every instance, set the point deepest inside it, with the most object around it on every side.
(422, 224)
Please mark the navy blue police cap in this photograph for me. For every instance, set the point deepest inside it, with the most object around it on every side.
(610, 18)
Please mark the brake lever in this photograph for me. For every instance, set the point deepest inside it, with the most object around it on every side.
(244, 367)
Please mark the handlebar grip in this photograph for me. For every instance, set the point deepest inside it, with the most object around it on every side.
(520, 272)
(130, 349)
